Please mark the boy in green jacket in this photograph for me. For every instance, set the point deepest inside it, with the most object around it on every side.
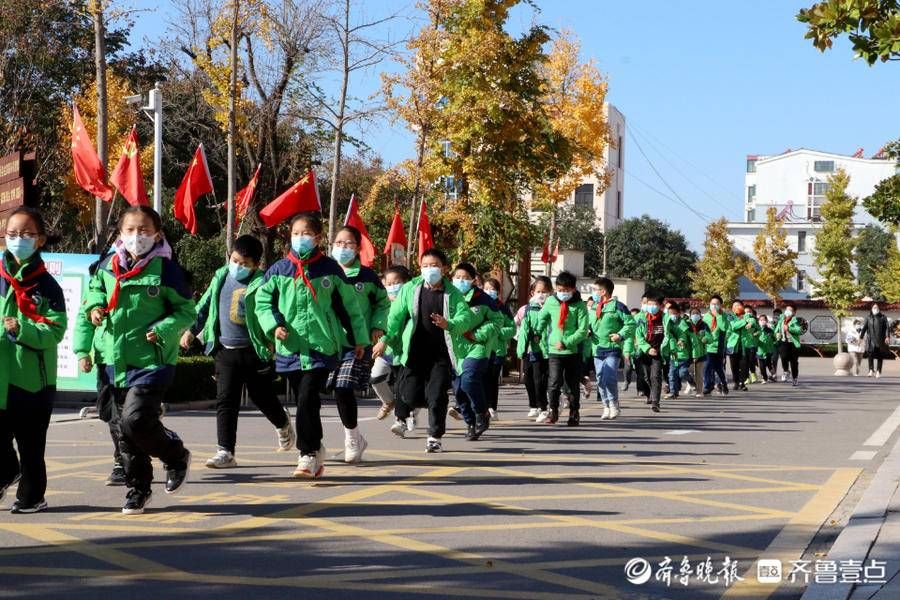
(787, 336)
(565, 314)
(651, 334)
(142, 299)
(33, 312)
(679, 349)
(226, 324)
(532, 348)
(611, 324)
(309, 310)
(717, 323)
(765, 348)
(700, 336)
(507, 331)
(425, 325)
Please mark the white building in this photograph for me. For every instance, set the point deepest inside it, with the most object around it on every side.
(795, 183)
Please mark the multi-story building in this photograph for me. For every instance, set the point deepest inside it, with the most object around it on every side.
(795, 183)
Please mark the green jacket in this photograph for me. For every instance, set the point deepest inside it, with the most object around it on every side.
(28, 360)
(722, 326)
(631, 347)
(612, 317)
(765, 342)
(479, 341)
(404, 315)
(322, 317)
(641, 336)
(373, 298)
(532, 337)
(207, 324)
(506, 331)
(157, 299)
(738, 331)
(700, 338)
(576, 325)
(679, 340)
(794, 331)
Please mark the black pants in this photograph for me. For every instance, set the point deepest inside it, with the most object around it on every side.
(790, 356)
(26, 419)
(640, 377)
(107, 413)
(750, 353)
(422, 384)
(738, 361)
(306, 387)
(143, 436)
(764, 365)
(629, 370)
(492, 383)
(234, 370)
(876, 358)
(565, 369)
(536, 374)
(653, 375)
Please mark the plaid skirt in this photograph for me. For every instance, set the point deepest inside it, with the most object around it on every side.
(352, 373)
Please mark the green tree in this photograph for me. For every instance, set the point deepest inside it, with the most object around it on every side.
(646, 248)
(576, 227)
(884, 202)
(872, 253)
(873, 26)
(833, 255)
(888, 277)
(775, 264)
(720, 269)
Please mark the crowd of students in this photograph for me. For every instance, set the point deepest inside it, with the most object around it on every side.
(327, 323)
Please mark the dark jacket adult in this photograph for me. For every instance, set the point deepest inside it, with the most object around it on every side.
(875, 330)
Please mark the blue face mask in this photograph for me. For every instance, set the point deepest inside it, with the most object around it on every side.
(431, 275)
(239, 272)
(714, 308)
(463, 285)
(21, 248)
(492, 293)
(695, 318)
(343, 255)
(595, 296)
(652, 309)
(303, 244)
(393, 290)
(563, 296)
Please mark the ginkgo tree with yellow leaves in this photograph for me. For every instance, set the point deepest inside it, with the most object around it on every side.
(719, 270)
(775, 264)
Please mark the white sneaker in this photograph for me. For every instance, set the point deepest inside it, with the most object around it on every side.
(493, 414)
(784, 377)
(309, 466)
(286, 437)
(433, 445)
(533, 413)
(614, 411)
(411, 423)
(399, 428)
(795, 383)
(354, 446)
(688, 388)
(455, 414)
(878, 375)
(871, 373)
(605, 414)
(542, 417)
(222, 460)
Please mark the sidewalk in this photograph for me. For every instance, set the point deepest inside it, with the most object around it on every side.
(872, 533)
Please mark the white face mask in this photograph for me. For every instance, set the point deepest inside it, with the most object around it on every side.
(875, 310)
(138, 244)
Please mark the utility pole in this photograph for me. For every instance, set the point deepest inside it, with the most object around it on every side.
(232, 101)
(102, 149)
(548, 267)
(154, 107)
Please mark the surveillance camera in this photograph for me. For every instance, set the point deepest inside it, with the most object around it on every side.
(135, 100)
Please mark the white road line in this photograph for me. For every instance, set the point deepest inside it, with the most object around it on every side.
(863, 455)
(883, 433)
(681, 431)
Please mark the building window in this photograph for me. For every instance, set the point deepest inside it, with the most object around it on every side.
(751, 215)
(823, 166)
(446, 150)
(584, 195)
(751, 165)
(801, 241)
(619, 204)
(751, 193)
(621, 151)
(816, 191)
(453, 187)
(801, 281)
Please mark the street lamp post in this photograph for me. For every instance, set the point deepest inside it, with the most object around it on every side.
(154, 112)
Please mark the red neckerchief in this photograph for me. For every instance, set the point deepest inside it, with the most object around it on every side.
(651, 325)
(695, 326)
(600, 306)
(563, 315)
(784, 324)
(299, 271)
(120, 277)
(26, 305)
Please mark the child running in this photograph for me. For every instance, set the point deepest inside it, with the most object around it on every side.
(384, 371)
(765, 349)
(227, 325)
(507, 331)
(650, 336)
(717, 324)
(611, 324)
(532, 348)
(787, 334)
(140, 296)
(309, 310)
(34, 322)
(680, 351)
(700, 337)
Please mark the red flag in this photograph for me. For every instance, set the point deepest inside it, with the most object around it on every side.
(244, 197)
(395, 247)
(197, 182)
(426, 240)
(555, 252)
(366, 249)
(126, 177)
(545, 253)
(303, 196)
(89, 172)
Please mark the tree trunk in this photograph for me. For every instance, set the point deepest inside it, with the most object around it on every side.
(232, 102)
(839, 344)
(102, 119)
(548, 268)
(417, 190)
(339, 126)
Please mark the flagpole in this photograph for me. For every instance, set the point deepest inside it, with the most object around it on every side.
(418, 222)
(232, 101)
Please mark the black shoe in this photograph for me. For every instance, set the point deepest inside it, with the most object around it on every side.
(471, 436)
(135, 502)
(725, 390)
(743, 388)
(654, 407)
(3, 488)
(648, 400)
(20, 508)
(482, 424)
(117, 476)
(175, 478)
(574, 418)
(552, 417)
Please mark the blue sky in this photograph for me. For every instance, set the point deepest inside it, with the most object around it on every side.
(701, 83)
